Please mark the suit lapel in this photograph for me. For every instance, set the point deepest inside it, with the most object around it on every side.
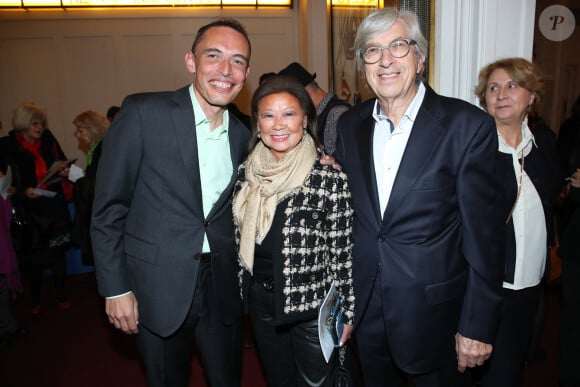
(184, 125)
(367, 163)
(425, 135)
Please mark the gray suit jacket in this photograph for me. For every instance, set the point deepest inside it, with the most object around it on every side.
(148, 222)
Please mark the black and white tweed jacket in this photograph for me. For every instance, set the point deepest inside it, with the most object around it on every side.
(316, 247)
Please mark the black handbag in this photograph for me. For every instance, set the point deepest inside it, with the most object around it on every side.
(346, 372)
(30, 232)
(342, 376)
(18, 227)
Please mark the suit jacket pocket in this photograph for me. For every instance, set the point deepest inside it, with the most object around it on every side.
(426, 184)
(445, 291)
(141, 250)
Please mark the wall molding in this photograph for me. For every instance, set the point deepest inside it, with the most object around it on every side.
(471, 33)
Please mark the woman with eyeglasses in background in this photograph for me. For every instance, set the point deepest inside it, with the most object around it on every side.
(528, 169)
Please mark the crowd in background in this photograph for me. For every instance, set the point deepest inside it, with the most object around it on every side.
(37, 192)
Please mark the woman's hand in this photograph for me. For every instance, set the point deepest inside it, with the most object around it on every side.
(346, 333)
(64, 171)
(31, 193)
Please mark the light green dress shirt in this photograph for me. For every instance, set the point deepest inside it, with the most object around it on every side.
(214, 157)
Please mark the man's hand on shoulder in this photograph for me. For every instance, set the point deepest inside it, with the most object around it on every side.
(123, 313)
(329, 160)
(471, 353)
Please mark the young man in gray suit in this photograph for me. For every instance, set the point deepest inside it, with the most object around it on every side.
(162, 223)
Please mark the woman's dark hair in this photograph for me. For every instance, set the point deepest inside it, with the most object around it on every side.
(112, 112)
(281, 84)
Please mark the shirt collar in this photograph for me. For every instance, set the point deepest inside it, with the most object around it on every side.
(411, 112)
(200, 117)
(525, 145)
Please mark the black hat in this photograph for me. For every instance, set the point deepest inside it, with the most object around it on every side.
(296, 71)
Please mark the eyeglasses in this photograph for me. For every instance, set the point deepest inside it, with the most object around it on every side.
(398, 49)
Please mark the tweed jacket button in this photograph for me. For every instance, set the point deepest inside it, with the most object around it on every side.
(315, 215)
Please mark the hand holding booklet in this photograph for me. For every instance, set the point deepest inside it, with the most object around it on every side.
(54, 169)
(330, 324)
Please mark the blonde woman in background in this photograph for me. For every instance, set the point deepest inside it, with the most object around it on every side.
(32, 149)
(90, 128)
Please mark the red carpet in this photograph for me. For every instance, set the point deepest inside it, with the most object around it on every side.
(78, 347)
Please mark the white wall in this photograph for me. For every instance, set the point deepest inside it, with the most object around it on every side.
(472, 33)
(72, 61)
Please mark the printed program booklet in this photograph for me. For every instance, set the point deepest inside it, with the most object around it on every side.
(54, 170)
(330, 322)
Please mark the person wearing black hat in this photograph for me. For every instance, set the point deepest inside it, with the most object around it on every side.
(328, 106)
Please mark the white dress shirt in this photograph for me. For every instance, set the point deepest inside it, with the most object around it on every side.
(528, 219)
(388, 148)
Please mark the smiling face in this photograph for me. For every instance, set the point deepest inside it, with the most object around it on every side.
(281, 122)
(33, 132)
(220, 64)
(506, 101)
(393, 79)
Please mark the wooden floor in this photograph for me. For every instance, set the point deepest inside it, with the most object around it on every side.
(78, 348)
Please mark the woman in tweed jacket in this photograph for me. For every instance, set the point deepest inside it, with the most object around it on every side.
(293, 220)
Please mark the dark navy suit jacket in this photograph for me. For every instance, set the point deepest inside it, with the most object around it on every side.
(437, 247)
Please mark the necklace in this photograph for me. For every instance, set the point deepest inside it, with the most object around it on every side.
(519, 187)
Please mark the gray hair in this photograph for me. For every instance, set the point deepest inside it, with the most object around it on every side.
(380, 22)
(27, 112)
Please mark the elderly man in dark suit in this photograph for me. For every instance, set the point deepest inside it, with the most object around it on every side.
(162, 222)
(426, 271)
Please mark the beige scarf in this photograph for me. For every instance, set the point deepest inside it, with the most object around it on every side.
(267, 183)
